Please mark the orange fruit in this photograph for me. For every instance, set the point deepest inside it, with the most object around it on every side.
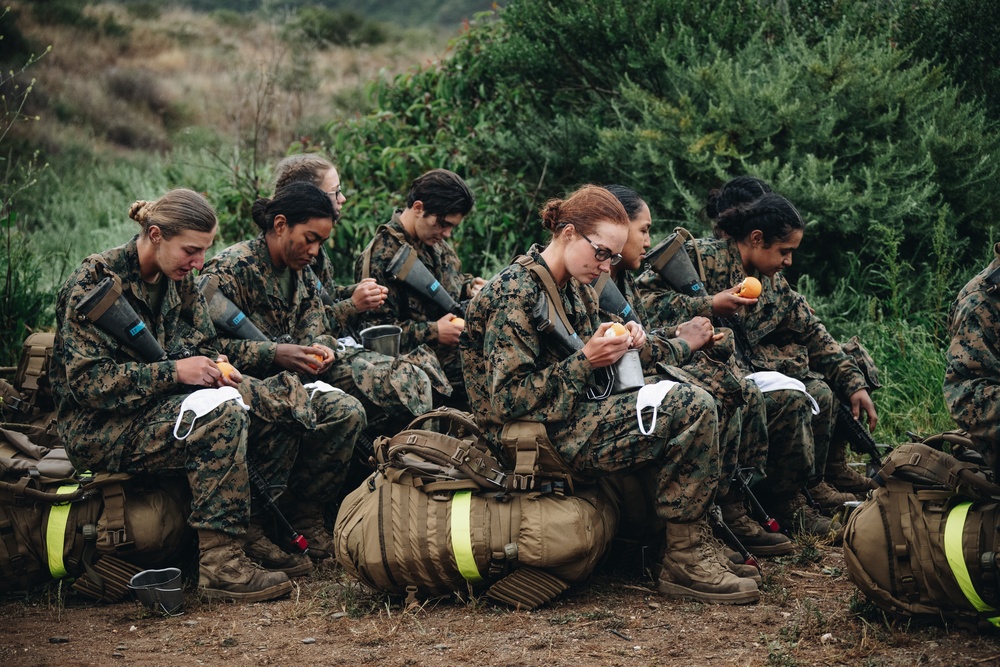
(458, 321)
(749, 288)
(616, 330)
(226, 368)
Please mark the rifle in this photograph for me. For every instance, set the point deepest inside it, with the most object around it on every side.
(105, 306)
(407, 268)
(548, 322)
(715, 516)
(742, 479)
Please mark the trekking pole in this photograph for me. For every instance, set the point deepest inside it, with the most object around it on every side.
(715, 516)
(262, 489)
(757, 511)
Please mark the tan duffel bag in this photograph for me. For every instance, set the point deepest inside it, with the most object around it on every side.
(438, 524)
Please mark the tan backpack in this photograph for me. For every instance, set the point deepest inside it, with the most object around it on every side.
(428, 524)
(101, 529)
(924, 545)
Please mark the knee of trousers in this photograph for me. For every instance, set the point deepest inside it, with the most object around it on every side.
(223, 429)
(343, 409)
(823, 394)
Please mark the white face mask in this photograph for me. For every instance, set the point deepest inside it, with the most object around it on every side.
(651, 396)
(774, 381)
(319, 385)
(204, 401)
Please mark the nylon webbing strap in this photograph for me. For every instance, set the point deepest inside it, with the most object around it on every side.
(461, 536)
(549, 285)
(55, 533)
(953, 528)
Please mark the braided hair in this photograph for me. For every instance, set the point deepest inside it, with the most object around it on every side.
(735, 191)
(772, 214)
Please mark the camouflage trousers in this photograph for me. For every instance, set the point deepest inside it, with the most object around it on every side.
(325, 449)
(798, 441)
(213, 458)
(743, 438)
(400, 387)
(683, 449)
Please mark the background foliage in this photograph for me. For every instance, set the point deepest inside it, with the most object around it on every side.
(877, 119)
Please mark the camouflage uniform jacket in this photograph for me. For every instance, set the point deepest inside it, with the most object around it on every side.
(403, 307)
(247, 276)
(712, 371)
(342, 313)
(660, 348)
(513, 372)
(784, 334)
(96, 380)
(972, 380)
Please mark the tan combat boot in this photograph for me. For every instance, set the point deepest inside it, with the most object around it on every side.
(309, 519)
(842, 476)
(828, 498)
(757, 540)
(691, 569)
(730, 558)
(797, 516)
(225, 573)
(270, 556)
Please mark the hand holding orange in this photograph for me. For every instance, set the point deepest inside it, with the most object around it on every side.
(458, 321)
(226, 368)
(750, 288)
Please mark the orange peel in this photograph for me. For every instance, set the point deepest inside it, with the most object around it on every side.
(616, 329)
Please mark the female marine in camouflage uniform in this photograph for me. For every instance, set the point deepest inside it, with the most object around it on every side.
(784, 336)
(269, 279)
(514, 372)
(347, 301)
(972, 381)
(742, 418)
(116, 412)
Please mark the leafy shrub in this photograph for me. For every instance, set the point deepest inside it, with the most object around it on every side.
(344, 28)
(672, 97)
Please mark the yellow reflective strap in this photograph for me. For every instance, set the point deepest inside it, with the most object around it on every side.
(55, 533)
(953, 528)
(461, 536)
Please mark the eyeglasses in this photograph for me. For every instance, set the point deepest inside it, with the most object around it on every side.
(333, 194)
(601, 254)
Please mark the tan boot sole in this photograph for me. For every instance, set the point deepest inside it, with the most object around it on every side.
(782, 549)
(277, 591)
(672, 590)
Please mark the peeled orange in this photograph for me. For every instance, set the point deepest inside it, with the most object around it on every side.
(749, 288)
(226, 368)
(616, 330)
(318, 358)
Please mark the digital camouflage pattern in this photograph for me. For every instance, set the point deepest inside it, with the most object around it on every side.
(415, 315)
(972, 380)
(785, 336)
(399, 386)
(116, 412)
(743, 440)
(512, 372)
(343, 314)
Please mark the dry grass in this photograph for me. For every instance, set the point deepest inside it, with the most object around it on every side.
(185, 69)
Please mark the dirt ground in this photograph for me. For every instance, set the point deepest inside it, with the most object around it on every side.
(810, 614)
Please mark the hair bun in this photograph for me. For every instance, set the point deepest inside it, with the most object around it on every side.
(137, 211)
(550, 214)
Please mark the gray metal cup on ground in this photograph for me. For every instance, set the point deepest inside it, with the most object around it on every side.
(159, 590)
(628, 372)
(383, 339)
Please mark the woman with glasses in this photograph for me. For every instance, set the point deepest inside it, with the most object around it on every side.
(514, 372)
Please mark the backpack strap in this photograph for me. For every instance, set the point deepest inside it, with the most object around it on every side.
(33, 368)
(544, 278)
(366, 254)
(466, 456)
(529, 443)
